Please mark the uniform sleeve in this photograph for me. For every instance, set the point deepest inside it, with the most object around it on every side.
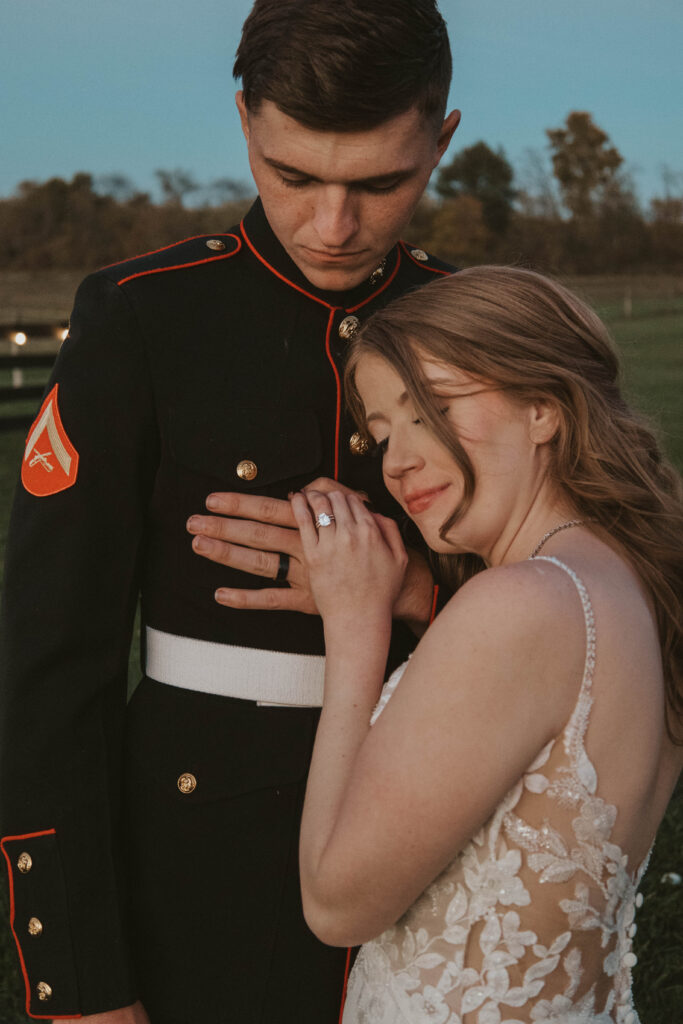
(71, 587)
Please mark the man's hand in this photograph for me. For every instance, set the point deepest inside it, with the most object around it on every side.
(258, 529)
(134, 1014)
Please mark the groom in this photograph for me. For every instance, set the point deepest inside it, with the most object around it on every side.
(152, 851)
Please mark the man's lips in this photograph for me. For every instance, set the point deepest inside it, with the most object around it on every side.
(319, 256)
(419, 501)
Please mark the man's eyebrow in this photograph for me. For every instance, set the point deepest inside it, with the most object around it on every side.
(375, 180)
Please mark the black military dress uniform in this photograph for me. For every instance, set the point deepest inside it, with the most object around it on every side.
(152, 853)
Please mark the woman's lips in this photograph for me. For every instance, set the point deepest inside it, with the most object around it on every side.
(419, 501)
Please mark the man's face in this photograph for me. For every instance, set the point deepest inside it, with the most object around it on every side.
(339, 201)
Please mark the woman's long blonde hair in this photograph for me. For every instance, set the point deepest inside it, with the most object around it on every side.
(531, 336)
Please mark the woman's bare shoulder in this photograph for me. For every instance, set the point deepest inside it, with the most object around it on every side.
(524, 596)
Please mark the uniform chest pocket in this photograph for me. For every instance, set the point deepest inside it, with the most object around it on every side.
(247, 447)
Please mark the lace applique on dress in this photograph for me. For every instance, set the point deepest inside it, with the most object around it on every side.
(533, 920)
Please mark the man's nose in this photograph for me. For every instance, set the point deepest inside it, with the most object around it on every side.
(336, 217)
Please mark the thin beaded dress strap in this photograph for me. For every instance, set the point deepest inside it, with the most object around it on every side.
(589, 617)
(575, 730)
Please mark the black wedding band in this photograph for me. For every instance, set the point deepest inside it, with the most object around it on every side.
(282, 568)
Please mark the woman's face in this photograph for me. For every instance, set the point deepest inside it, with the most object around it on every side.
(499, 434)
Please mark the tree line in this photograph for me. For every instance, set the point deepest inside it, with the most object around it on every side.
(574, 211)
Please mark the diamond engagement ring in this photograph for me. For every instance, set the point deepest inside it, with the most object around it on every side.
(323, 519)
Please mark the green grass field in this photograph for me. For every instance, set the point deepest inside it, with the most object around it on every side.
(651, 342)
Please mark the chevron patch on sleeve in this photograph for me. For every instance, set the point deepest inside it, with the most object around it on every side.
(50, 460)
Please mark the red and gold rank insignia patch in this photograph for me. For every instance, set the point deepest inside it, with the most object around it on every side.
(50, 460)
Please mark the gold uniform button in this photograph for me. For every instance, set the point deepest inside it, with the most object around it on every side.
(378, 274)
(419, 254)
(247, 470)
(348, 327)
(215, 244)
(25, 863)
(35, 926)
(187, 783)
(44, 991)
(358, 445)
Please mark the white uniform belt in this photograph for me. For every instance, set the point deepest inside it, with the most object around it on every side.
(267, 677)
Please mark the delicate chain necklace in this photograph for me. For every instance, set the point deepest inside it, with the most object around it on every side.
(556, 529)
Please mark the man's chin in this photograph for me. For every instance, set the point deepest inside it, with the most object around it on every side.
(330, 278)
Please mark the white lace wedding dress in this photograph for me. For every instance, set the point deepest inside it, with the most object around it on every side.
(532, 921)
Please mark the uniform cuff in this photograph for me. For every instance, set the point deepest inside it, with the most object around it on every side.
(39, 922)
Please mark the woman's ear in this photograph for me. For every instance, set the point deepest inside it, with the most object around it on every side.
(544, 421)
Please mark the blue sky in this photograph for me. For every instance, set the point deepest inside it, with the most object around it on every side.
(135, 85)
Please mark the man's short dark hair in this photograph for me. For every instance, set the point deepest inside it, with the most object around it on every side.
(345, 65)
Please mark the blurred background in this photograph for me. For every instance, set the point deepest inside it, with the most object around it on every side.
(118, 135)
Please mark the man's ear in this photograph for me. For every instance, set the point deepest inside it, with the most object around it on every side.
(446, 133)
(544, 421)
(243, 112)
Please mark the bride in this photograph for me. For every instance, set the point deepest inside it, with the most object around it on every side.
(481, 824)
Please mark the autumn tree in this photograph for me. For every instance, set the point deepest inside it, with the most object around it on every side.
(666, 231)
(584, 163)
(459, 233)
(176, 185)
(225, 190)
(117, 185)
(483, 174)
(89, 222)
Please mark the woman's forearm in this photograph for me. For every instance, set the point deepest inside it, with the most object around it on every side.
(356, 655)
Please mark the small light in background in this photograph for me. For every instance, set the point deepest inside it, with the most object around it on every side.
(20, 338)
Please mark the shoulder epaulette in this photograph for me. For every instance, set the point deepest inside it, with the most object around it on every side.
(190, 252)
(426, 261)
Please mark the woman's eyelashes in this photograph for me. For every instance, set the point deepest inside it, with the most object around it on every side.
(378, 448)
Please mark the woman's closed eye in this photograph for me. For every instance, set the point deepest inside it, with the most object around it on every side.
(378, 448)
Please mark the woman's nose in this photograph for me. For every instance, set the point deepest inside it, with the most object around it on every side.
(400, 457)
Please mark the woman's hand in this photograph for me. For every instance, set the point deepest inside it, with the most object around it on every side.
(356, 564)
(134, 1014)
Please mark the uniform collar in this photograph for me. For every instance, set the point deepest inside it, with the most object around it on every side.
(261, 239)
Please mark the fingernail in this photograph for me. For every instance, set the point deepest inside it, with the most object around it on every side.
(202, 544)
(194, 523)
(213, 502)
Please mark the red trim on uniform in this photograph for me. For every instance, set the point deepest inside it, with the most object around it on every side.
(337, 428)
(28, 835)
(432, 614)
(333, 310)
(182, 266)
(385, 285)
(346, 982)
(277, 273)
(422, 264)
(12, 914)
(153, 252)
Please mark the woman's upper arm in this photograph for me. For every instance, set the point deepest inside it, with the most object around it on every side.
(487, 687)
